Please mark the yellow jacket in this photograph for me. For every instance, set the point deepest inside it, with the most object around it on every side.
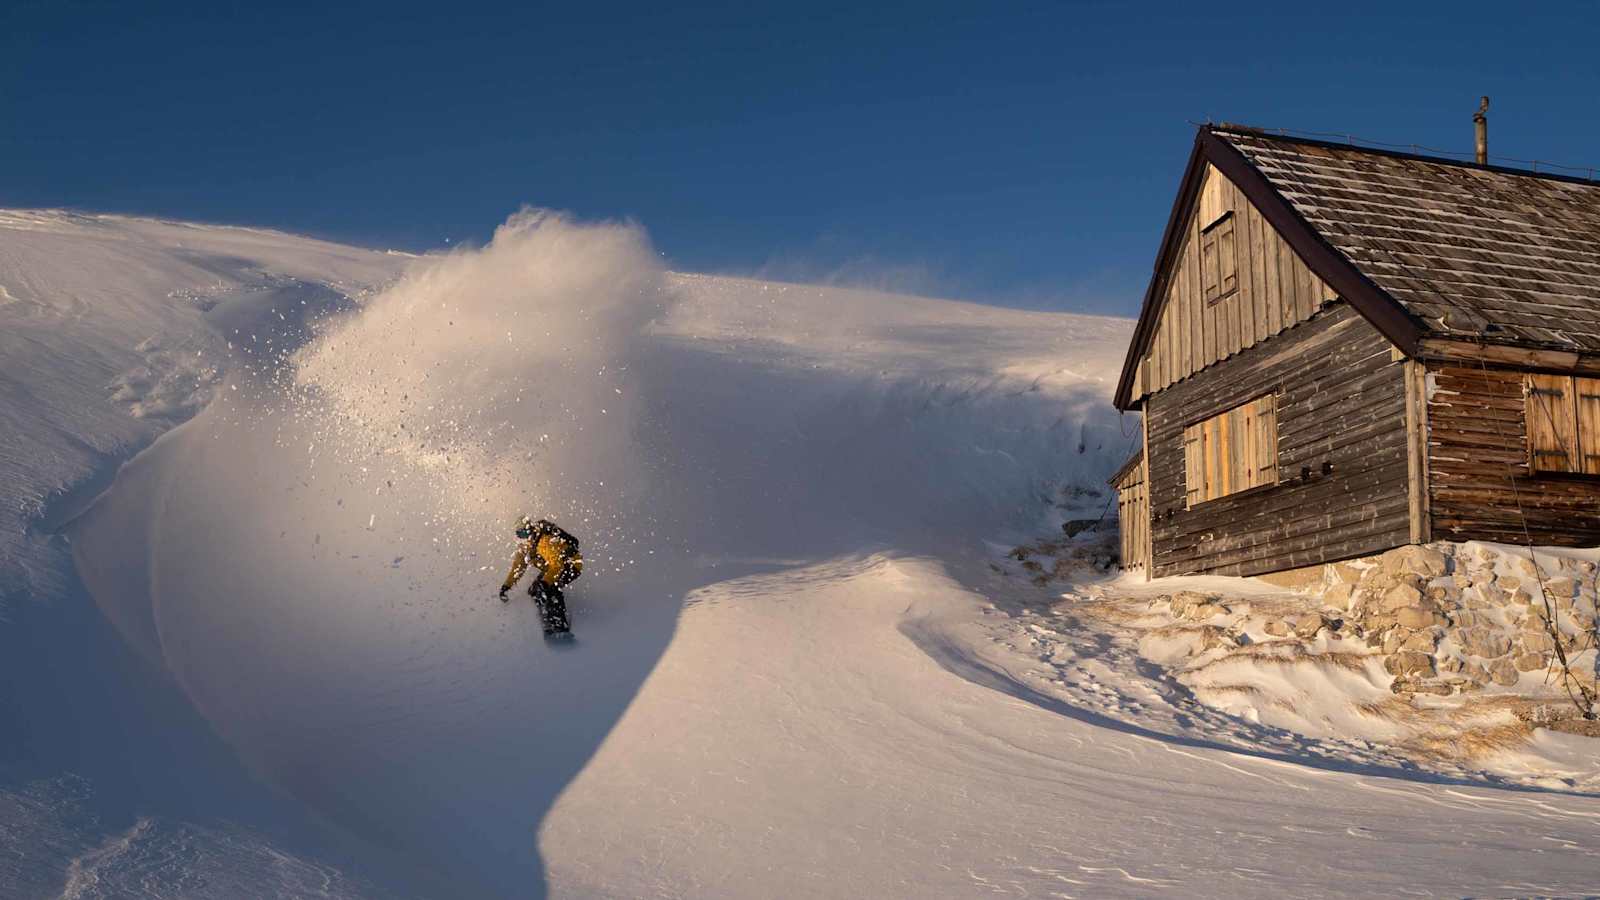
(550, 554)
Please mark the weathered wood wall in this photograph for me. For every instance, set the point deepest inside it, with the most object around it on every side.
(1276, 290)
(1133, 515)
(1480, 483)
(1341, 400)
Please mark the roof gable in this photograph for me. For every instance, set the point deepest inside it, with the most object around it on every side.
(1317, 255)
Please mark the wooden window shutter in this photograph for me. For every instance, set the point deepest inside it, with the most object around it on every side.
(1210, 278)
(1227, 257)
(1219, 259)
(1193, 466)
(1266, 440)
(1552, 420)
(1586, 395)
(1216, 454)
(1237, 450)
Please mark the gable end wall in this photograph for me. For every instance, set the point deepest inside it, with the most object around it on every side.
(1276, 290)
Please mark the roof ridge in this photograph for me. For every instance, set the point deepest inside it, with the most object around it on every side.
(1363, 145)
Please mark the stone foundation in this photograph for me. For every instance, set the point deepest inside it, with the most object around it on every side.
(1458, 617)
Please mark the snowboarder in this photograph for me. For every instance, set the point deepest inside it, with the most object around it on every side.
(553, 555)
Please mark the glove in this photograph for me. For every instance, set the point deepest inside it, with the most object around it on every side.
(503, 597)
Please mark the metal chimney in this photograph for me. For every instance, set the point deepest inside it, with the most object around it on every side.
(1480, 126)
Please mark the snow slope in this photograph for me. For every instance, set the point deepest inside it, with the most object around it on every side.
(847, 758)
(105, 346)
(782, 684)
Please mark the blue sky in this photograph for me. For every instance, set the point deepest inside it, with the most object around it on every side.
(1023, 154)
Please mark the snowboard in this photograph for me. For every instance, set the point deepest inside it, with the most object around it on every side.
(553, 615)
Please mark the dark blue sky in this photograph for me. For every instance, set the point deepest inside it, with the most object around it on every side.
(1017, 153)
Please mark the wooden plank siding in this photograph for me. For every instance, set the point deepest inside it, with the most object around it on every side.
(1133, 515)
(1275, 290)
(1480, 484)
(1340, 399)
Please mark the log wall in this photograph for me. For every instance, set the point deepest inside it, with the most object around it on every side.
(1341, 400)
(1480, 484)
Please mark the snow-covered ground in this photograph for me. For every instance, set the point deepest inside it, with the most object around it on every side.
(795, 673)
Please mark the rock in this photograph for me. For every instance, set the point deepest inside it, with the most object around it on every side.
(1522, 565)
(1185, 601)
(1339, 595)
(1402, 686)
(1504, 672)
(1344, 573)
(1475, 673)
(1425, 641)
(1075, 527)
(1487, 643)
(1206, 611)
(1562, 586)
(1307, 626)
(1414, 559)
(1468, 619)
(1418, 617)
(1537, 642)
(1519, 597)
(1508, 583)
(1394, 639)
(1450, 664)
(1586, 676)
(1375, 581)
(1408, 664)
(1212, 637)
(1401, 595)
(1276, 628)
(1530, 662)
(1484, 594)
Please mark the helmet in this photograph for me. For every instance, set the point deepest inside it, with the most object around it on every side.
(524, 528)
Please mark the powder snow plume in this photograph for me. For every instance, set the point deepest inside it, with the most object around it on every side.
(499, 377)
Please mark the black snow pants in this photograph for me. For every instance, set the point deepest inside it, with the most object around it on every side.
(552, 606)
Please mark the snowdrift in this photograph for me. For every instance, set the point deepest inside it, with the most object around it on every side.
(314, 557)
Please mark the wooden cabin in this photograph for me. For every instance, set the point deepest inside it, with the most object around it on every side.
(1344, 349)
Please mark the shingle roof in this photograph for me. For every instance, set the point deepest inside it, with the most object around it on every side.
(1481, 253)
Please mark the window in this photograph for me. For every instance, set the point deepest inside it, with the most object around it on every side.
(1231, 452)
(1219, 260)
(1563, 417)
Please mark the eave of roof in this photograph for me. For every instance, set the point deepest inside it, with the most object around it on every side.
(1125, 468)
